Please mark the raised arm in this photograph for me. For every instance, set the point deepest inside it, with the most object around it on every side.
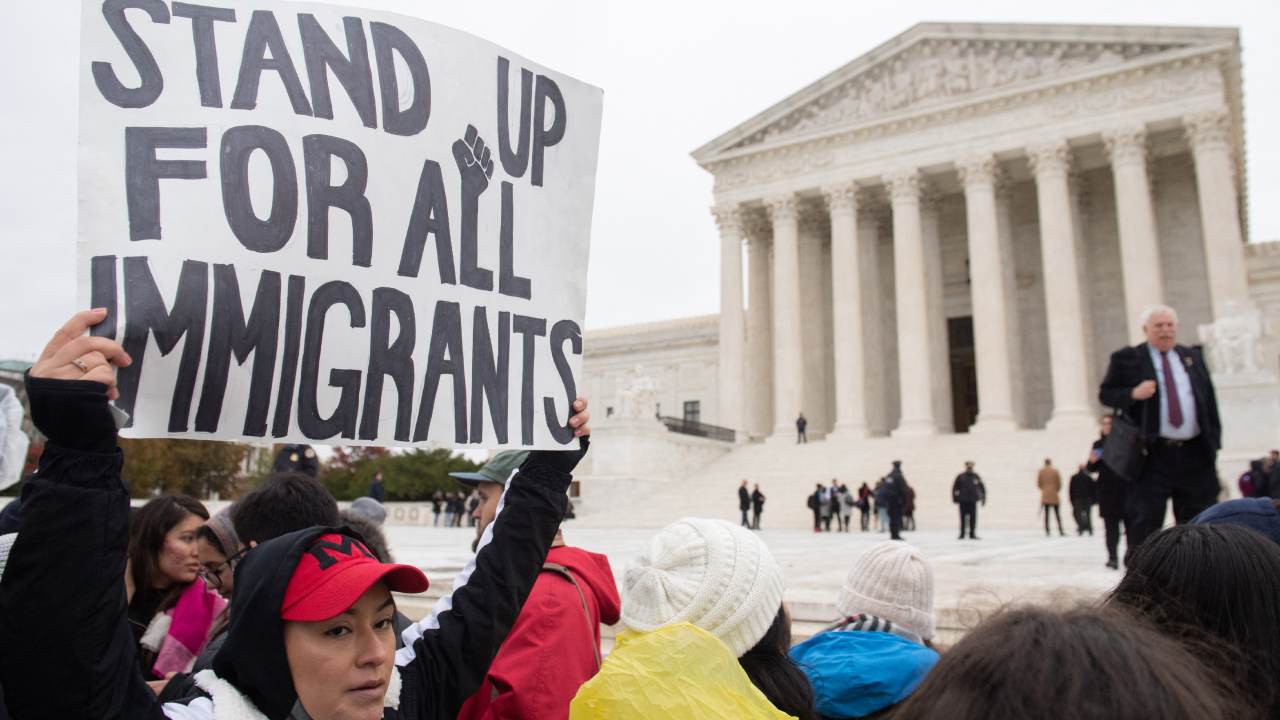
(62, 599)
(452, 650)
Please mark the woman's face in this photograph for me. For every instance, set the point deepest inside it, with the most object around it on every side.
(178, 562)
(341, 666)
(215, 565)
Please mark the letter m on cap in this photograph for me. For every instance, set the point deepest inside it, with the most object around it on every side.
(321, 550)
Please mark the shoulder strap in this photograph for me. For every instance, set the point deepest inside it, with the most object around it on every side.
(563, 572)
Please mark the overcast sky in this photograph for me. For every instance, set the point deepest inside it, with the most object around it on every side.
(675, 75)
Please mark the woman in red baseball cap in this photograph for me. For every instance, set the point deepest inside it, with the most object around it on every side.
(311, 636)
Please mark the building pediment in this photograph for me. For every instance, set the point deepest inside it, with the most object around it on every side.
(933, 65)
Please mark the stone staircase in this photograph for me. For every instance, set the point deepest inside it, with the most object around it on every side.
(1008, 463)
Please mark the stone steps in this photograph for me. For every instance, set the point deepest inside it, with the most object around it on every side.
(1008, 463)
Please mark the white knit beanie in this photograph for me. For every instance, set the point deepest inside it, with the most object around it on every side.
(716, 575)
(894, 582)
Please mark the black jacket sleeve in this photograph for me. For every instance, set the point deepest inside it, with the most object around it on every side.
(68, 651)
(450, 663)
(1124, 372)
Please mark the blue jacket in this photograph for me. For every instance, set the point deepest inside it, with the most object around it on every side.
(855, 674)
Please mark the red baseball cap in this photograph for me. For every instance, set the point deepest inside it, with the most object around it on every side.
(334, 572)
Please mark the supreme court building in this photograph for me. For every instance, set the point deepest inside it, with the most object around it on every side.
(951, 234)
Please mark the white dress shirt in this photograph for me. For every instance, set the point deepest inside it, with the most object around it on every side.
(1186, 398)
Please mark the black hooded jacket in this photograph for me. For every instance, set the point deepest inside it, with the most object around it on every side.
(62, 598)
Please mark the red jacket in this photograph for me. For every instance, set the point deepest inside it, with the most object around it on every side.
(551, 650)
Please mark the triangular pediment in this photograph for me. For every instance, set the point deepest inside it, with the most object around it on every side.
(934, 64)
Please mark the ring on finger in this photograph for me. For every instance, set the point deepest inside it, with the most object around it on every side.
(80, 363)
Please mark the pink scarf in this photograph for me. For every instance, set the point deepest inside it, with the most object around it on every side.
(189, 629)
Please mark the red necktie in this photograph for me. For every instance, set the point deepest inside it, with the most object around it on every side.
(1175, 405)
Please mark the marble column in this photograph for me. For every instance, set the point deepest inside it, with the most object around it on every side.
(1136, 217)
(732, 318)
(788, 381)
(759, 364)
(935, 293)
(980, 176)
(1209, 134)
(846, 312)
(1012, 301)
(874, 347)
(915, 362)
(1064, 296)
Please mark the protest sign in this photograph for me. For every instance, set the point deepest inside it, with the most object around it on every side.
(321, 224)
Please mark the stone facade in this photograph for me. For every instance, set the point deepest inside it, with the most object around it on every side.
(933, 251)
(1026, 189)
(639, 371)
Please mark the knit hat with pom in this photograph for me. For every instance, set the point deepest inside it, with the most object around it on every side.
(716, 575)
(894, 582)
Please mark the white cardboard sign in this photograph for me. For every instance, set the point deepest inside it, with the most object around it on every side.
(313, 223)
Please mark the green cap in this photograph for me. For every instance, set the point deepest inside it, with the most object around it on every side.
(497, 470)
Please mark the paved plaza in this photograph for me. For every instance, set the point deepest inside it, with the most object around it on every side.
(972, 577)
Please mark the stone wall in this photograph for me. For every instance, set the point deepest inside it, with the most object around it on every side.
(680, 356)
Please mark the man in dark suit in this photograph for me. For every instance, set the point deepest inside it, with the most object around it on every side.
(1165, 388)
(968, 491)
(895, 485)
(744, 503)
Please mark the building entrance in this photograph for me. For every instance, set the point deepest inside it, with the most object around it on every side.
(964, 373)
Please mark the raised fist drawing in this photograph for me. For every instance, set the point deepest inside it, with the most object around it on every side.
(475, 163)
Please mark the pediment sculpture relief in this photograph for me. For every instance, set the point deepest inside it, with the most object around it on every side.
(933, 71)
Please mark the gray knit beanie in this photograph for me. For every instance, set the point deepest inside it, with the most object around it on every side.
(710, 573)
(892, 581)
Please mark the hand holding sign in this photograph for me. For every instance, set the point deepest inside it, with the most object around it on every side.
(72, 355)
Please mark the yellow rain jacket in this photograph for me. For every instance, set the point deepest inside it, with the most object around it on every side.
(679, 671)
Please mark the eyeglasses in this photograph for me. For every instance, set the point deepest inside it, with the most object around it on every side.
(212, 576)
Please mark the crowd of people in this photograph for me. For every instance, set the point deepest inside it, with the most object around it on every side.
(455, 506)
(281, 605)
(887, 507)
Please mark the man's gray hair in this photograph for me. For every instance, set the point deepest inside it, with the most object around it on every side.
(1152, 311)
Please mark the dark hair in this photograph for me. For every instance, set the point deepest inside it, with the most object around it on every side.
(147, 527)
(285, 502)
(369, 531)
(1221, 579)
(208, 535)
(1087, 662)
(775, 674)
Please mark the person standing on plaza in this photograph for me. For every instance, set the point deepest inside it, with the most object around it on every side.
(437, 501)
(1050, 483)
(846, 506)
(833, 501)
(824, 507)
(744, 503)
(881, 497)
(864, 505)
(815, 504)
(376, 490)
(801, 424)
(1111, 491)
(757, 506)
(1165, 387)
(1081, 493)
(909, 508)
(967, 491)
(895, 497)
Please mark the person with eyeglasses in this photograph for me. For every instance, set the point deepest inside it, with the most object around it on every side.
(219, 548)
